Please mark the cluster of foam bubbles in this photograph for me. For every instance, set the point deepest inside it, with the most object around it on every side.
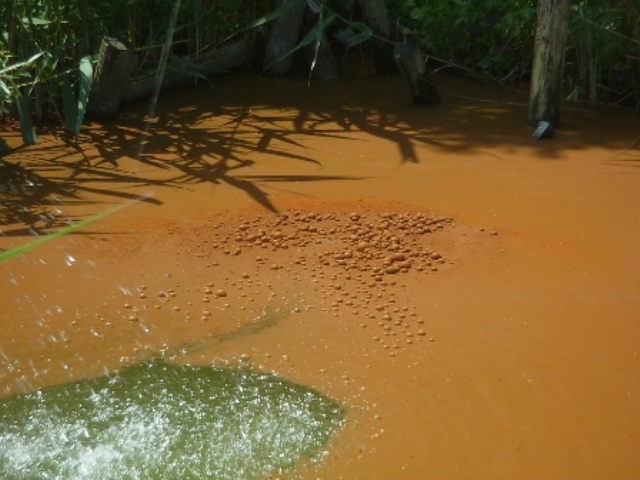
(160, 420)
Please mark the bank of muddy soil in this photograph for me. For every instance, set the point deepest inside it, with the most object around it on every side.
(469, 296)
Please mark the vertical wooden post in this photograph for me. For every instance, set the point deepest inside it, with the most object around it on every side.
(374, 13)
(110, 79)
(283, 38)
(414, 71)
(548, 61)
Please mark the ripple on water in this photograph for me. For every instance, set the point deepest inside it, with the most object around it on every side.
(161, 420)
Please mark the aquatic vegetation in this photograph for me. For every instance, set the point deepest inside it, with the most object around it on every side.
(161, 420)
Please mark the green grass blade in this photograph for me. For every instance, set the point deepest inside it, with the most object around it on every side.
(314, 35)
(19, 65)
(5, 91)
(35, 21)
(74, 110)
(14, 252)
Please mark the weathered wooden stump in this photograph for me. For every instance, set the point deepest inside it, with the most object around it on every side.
(414, 71)
(110, 78)
(376, 16)
(283, 38)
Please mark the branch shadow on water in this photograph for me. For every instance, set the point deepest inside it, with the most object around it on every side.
(220, 135)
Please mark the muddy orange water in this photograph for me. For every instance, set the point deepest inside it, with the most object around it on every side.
(471, 296)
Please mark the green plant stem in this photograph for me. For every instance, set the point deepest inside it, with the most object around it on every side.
(162, 66)
(14, 252)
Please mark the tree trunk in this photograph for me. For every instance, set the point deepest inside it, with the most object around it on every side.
(548, 62)
(414, 71)
(285, 31)
(112, 74)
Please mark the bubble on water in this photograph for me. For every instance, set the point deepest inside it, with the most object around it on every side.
(124, 290)
(70, 260)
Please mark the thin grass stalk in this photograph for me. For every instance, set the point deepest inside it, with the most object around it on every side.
(162, 66)
(11, 27)
(17, 251)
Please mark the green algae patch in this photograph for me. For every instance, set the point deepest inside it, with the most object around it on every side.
(161, 420)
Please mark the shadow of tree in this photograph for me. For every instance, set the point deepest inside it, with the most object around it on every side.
(213, 135)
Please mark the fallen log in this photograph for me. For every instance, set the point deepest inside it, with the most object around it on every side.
(414, 71)
(220, 61)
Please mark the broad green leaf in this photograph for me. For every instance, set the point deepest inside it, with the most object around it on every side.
(28, 132)
(314, 7)
(417, 13)
(69, 104)
(35, 21)
(74, 110)
(24, 63)
(86, 81)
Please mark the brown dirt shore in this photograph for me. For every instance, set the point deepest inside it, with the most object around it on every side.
(471, 296)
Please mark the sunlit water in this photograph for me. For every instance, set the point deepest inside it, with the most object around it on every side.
(159, 420)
